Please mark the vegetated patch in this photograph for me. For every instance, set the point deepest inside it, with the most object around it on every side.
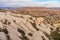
(56, 35)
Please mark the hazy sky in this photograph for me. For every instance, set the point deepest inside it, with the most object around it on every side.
(29, 3)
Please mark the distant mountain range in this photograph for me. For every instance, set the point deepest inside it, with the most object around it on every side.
(7, 7)
(28, 7)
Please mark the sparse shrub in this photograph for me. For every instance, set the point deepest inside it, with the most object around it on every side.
(56, 35)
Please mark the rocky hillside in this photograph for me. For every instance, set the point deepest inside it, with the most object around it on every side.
(27, 27)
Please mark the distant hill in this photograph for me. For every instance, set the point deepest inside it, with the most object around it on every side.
(7, 7)
(37, 11)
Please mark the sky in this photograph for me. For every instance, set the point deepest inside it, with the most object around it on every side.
(29, 3)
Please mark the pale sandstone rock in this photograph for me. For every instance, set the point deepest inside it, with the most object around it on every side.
(15, 21)
(40, 19)
(3, 36)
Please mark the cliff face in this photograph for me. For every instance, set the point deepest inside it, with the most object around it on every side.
(26, 27)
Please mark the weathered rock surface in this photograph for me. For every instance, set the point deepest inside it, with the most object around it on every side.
(24, 27)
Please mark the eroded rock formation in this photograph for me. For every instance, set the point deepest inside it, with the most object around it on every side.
(24, 27)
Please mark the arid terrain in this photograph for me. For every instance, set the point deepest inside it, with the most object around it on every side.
(30, 23)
